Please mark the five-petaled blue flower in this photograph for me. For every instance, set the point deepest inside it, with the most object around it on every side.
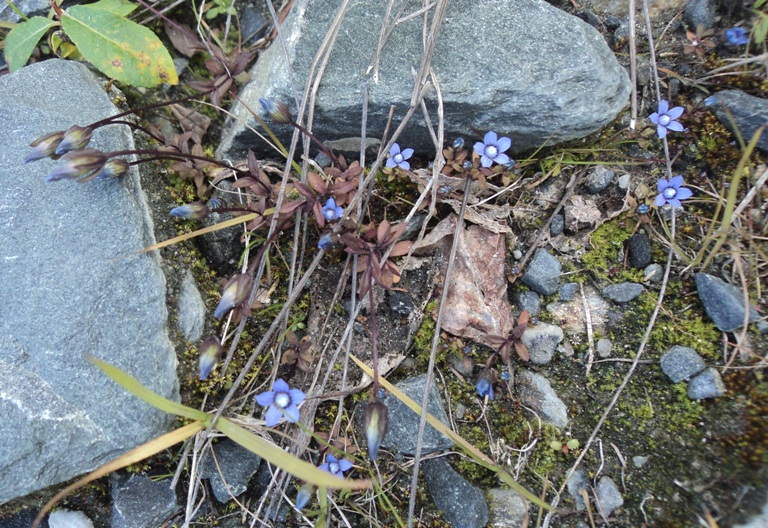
(665, 118)
(398, 158)
(671, 192)
(336, 467)
(282, 401)
(737, 36)
(331, 211)
(491, 149)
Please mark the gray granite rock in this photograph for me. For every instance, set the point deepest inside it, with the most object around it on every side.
(723, 302)
(639, 250)
(542, 340)
(506, 509)
(191, 309)
(555, 67)
(568, 291)
(623, 292)
(577, 482)
(599, 179)
(463, 505)
(748, 112)
(708, 384)
(71, 288)
(230, 472)
(140, 502)
(536, 392)
(608, 496)
(69, 519)
(700, 13)
(404, 423)
(528, 300)
(543, 274)
(681, 363)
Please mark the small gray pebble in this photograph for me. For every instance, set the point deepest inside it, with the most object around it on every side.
(708, 384)
(608, 495)
(517, 254)
(623, 181)
(681, 363)
(604, 347)
(639, 249)
(69, 519)
(599, 179)
(557, 225)
(528, 300)
(639, 461)
(654, 273)
(568, 291)
(624, 292)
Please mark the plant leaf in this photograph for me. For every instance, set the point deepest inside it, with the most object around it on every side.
(293, 465)
(118, 7)
(21, 41)
(121, 49)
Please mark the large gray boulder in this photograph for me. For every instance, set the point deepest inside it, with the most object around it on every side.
(520, 67)
(70, 288)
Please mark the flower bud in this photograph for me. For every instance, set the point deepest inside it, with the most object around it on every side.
(327, 240)
(75, 138)
(304, 495)
(210, 352)
(112, 169)
(235, 292)
(375, 423)
(484, 384)
(191, 211)
(79, 164)
(278, 112)
(45, 146)
(458, 143)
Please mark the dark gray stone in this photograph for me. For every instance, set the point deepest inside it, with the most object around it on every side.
(708, 384)
(608, 496)
(140, 502)
(700, 13)
(557, 225)
(623, 292)
(723, 302)
(748, 112)
(71, 287)
(599, 179)
(577, 482)
(536, 392)
(528, 300)
(222, 249)
(400, 303)
(543, 274)
(568, 291)
(681, 363)
(463, 505)
(191, 309)
(253, 25)
(639, 250)
(541, 341)
(404, 423)
(28, 7)
(235, 464)
(559, 79)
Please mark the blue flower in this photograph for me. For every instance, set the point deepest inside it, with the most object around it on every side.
(737, 36)
(282, 401)
(326, 241)
(191, 211)
(664, 119)
(671, 192)
(484, 384)
(398, 158)
(331, 211)
(492, 149)
(336, 467)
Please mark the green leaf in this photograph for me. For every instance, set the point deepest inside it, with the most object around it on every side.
(118, 7)
(135, 387)
(121, 49)
(21, 41)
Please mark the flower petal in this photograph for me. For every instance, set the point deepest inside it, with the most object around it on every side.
(345, 465)
(292, 413)
(654, 117)
(674, 202)
(404, 165)
(676, 112)
(325, 467)
(330, 458)
(503, 144)
(662, 184)
(273, 416)
(394, 150)
(663, 106)
(479, 148)
(502, 159)
(676, 181)
(683, 193)
(407, 153)
(485, 161)
(265, 398)
(661, 131)
(660, 200)
(280, 386)
(391, 163)
(676, 126)
(490, 138)
(296, 396)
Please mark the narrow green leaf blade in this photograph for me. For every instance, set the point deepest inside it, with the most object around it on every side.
(293, 465)
(135, 387)
(22, 39)
(121, 49)
(118, 7)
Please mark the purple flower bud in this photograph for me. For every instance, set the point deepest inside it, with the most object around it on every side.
(75, 138)
(235, 292)
(44, 147)
(191, 211)
(458, 143)
(210, 352)
(304, 495)
(484, 384)
(278, 112)
(113, 168)
(375, 422)
(79, 164)
(327, 240)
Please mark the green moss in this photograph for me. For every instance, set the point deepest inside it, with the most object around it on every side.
(606, 242)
